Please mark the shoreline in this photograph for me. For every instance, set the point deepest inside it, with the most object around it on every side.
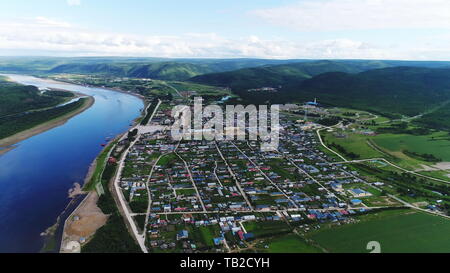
(80, 209)
(99, 87)
(8, 143)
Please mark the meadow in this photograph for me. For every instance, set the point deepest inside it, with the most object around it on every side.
(398, 231)
(437, 144)
(394, 146)
(290, 243)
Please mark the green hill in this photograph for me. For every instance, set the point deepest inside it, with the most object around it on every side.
(404, 90)
(279, 74)
(109, 69)
(393, 90)
(157, 68)
(160, 70)
(168, 71)
(184, 68)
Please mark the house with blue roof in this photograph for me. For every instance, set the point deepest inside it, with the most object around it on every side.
(183, 234)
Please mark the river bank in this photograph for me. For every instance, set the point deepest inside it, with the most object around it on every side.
(7, 143)
(84, 221)
(82, 224)
(99, 87)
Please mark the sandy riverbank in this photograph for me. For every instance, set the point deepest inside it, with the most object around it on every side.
(82, 224)
(7, 143)
(99, 87)
(90, 217)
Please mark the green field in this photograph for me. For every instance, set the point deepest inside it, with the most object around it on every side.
(397, 232)
(392, 146)
(437, 174)
(437, 144)
(291, 244)
(166, 159)
(267, 228)
(353, 143)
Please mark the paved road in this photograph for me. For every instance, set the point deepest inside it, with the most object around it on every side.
(140, 238)
(123, 204)
(325, 146)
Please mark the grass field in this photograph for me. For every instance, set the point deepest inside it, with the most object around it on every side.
(392, 146)
(437, 174)
(166, 159)
(354, 143)
(267, 228)
(437, 144)
(398, 231)
(291, 244)
(208, 234)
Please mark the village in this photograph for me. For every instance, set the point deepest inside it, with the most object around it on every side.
(229, 196)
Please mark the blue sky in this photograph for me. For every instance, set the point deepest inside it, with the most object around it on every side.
(362, 29)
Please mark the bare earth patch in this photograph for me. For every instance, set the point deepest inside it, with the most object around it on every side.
(425, 168)
(442, 165)
(85, 221)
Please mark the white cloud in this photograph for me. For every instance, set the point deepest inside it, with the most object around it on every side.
(40, 36)
(73, 2)
(44, 21)
(330, 15)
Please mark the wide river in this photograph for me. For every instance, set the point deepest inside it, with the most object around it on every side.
(36, 175)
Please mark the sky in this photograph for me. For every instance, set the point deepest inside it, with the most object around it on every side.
(275, 29)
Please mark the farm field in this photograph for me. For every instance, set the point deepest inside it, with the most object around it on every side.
(437, 144)
(398, 231)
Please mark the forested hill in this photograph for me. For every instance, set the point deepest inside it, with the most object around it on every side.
(393, 90)
(156, 68)
(163, 71)
(182, 69)
(159, 70)
(404, 90)
(280, 74)
(169, 71)
(108, 69)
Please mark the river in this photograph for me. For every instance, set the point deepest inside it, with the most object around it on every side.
(35, 176)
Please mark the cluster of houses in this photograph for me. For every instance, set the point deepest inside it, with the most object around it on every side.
(193, 184)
